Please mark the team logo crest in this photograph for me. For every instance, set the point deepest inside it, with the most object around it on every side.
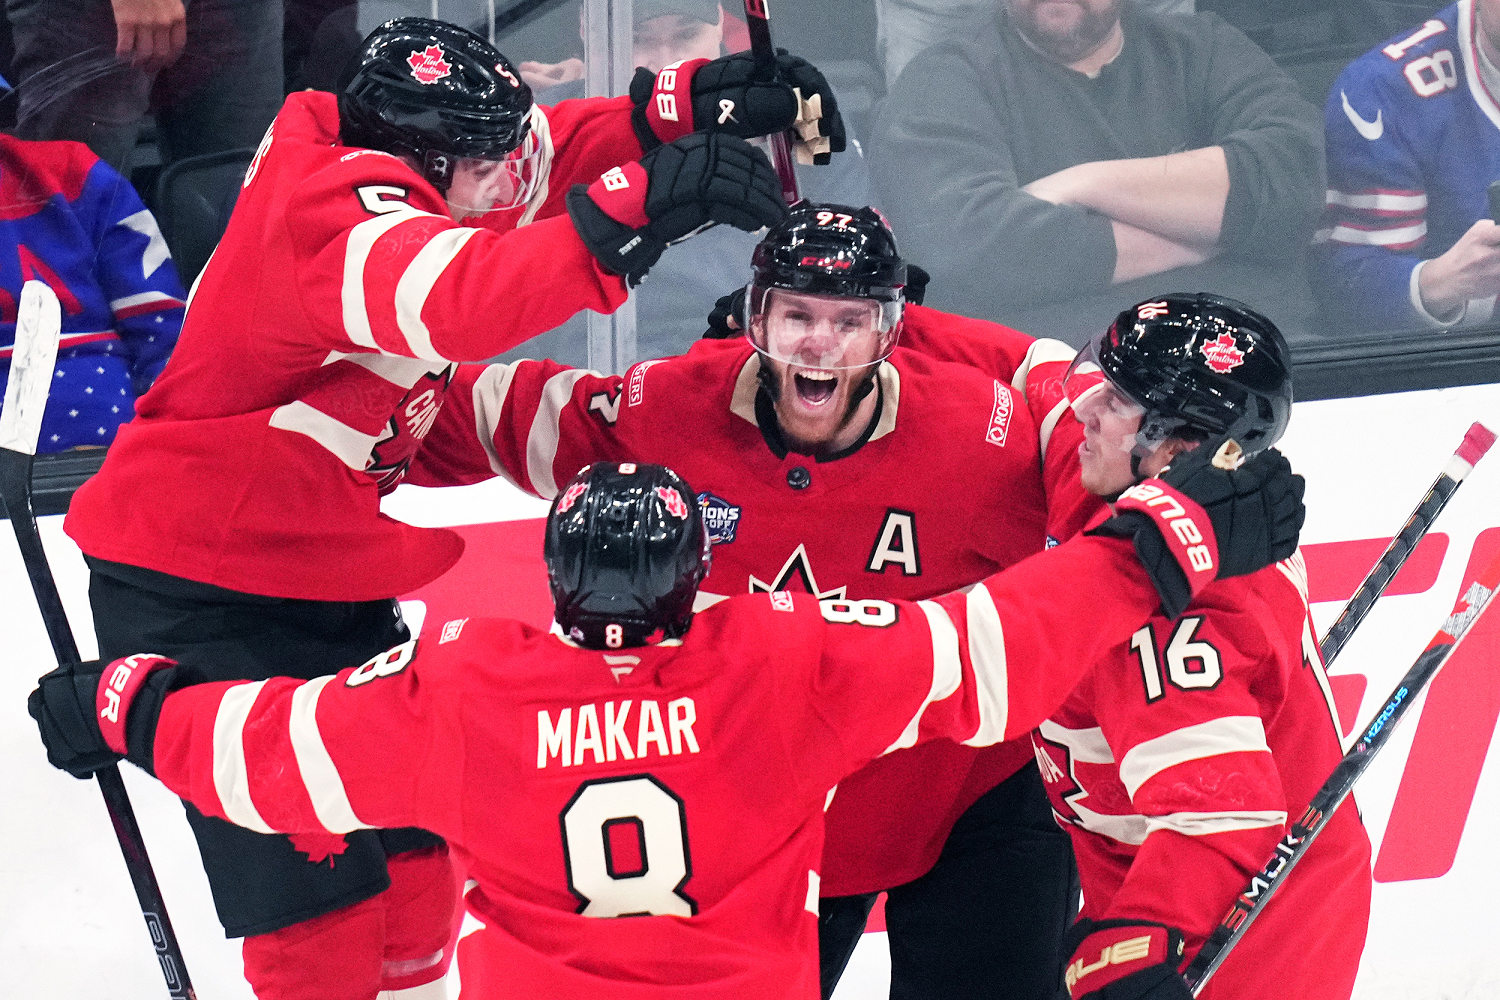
(721, 517)
(1222, 354)
(570, 496)
(675, 505)
(429, 66)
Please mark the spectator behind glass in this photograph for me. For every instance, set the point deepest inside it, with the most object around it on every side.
(1042, 166)
(672, 301)
(68, 219)
(89, 70)
(1413, 144)
(907, 27)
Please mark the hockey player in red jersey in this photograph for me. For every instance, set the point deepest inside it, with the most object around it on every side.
(640, 762)
(1179, 759)
(828, 459)
(374, 244)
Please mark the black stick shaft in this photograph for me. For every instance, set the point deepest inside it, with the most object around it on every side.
(15, 491)
(1252, 900)
(758, 21)
(1388, 565)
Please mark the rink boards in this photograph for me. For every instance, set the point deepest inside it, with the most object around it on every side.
(1432, 806)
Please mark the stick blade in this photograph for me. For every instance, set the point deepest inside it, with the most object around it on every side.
(38, 326)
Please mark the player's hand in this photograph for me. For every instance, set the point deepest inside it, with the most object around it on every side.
(149, 33)
(1470, 269)
(629, 215)
(730, 95)
(540, 75)
(92, 714)
(1197, 522)
(726, 316)
(1123, 960)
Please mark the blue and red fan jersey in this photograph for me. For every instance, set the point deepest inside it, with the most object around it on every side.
(69, 219)
(1413, 129)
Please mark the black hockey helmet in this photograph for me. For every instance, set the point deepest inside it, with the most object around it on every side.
(434, 92)
(821, 248)
(1199, 365)
(626, 550)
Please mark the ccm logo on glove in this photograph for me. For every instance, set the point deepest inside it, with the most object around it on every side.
(1165, 507)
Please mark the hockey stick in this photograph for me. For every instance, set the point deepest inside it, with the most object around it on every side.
(1252, 899)
(758, 21)
(37, 323)
(1475, 443)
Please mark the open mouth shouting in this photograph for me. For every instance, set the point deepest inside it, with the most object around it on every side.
(815, 387)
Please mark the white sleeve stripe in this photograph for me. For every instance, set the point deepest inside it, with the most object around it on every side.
(1049, 424)
(231, 778)
(991, 675)
(1086, 746)
(325, 788)
(1230, 734)
(1383, 202)
(416, 284)
(1384, 236)
(542, 442)
(140, 299)
(1192, 824)
(348, 445)
(362, 239)
(397, 370)
(491, 389)
(947, 669)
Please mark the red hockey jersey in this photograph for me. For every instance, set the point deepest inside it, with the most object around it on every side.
(1175, 765)
(316, 351)
(947, 490)
(679, 787)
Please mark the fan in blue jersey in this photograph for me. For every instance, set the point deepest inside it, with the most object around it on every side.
(1413, 130)
(70, 220)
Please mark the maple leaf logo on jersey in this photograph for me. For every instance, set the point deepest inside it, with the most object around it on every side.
(429, 66)
(675, 505)
(1222, 354)
(570, 496)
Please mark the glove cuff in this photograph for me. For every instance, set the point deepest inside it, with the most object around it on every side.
(118, 686)
(668, 108)
(1115, 949)
(1184, 527)
(620, 248)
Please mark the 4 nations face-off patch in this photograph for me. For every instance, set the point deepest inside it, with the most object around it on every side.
(720, 517)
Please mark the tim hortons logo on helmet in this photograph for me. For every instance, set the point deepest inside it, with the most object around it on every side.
(720, 517)
(1171, 514)
(570, 496)
(674, 502)
(428, 65)
(1152, 310)
(1223, 355)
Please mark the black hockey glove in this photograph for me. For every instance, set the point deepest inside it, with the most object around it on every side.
(629, 215)
(1123, 960)
(916, 283)
(725, 317)
(1197, 522)
(729, 95)
(92, 714)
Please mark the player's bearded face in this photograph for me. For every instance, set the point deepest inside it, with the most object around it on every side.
(819, 350)
(1067, 30)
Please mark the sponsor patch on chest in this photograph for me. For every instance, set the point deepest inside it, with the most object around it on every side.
(999, 427)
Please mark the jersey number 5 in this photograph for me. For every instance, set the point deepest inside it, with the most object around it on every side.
(1190, 664)
(625, 847)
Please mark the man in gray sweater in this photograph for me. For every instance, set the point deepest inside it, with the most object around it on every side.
(1043, 166)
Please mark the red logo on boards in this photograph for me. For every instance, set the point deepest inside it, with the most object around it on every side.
(429, 66)
(1222, 354)
(673, 500)
(570, 496)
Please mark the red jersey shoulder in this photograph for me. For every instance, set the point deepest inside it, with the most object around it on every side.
(704, 377)
(975, 410)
